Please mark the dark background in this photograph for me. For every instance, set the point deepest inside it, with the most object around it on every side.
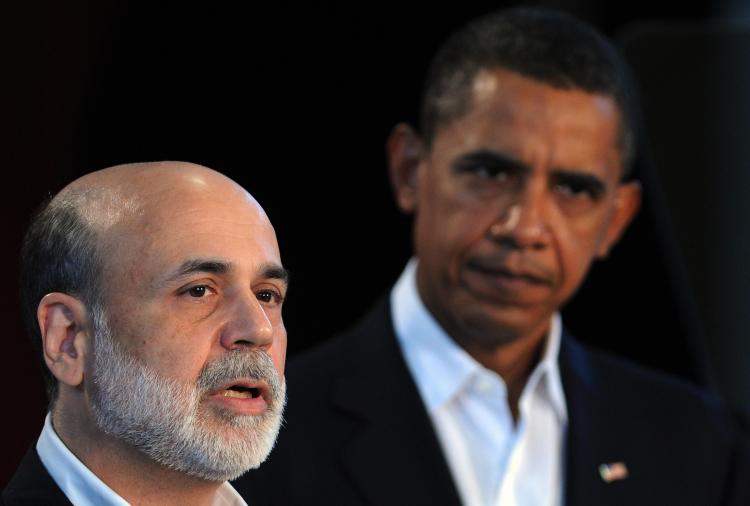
(295, 102)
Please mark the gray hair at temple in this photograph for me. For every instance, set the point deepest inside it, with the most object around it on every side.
(546, 45)
(59, 253)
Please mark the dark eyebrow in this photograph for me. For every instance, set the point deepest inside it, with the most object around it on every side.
(275, 271)
(491, 157)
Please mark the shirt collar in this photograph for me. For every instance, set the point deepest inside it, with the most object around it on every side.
(442, 369)
(84, 488)
(545, 380)
(78, 483)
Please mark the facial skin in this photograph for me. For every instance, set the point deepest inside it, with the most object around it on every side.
(192, 291)
(513, 201)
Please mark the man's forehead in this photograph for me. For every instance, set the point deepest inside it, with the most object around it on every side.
(492, 84)
(528, 121)
(195, 224)
(485, 85)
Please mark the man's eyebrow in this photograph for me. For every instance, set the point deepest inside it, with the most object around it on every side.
(196, 265)
(275, 271)
(491, 157)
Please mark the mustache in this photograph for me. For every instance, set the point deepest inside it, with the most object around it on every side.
(253, 364)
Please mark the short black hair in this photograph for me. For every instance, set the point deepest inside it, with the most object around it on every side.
(59, 253)
(542, 44)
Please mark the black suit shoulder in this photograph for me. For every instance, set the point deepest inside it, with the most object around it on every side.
(32, 485)
(637, 385)
(665, 403)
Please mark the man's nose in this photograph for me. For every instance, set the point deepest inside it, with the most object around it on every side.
(523, 222)
(248, 325)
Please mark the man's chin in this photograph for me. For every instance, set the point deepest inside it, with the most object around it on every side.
(224, 453)
(236, 443)
(499, 325)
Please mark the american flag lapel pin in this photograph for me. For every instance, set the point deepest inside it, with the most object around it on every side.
(614, 471)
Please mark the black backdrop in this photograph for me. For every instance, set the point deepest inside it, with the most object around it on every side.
(294, 102)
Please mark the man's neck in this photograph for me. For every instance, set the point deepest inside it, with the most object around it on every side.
(513, 361)
(127, 471)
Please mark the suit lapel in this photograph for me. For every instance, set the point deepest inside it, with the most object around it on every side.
(394, 454)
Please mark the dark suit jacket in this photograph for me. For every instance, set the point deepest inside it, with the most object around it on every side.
(357, 432)
(32, 484)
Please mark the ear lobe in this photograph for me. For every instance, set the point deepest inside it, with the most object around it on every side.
(404, 150)
(63, 324)
(626, 206)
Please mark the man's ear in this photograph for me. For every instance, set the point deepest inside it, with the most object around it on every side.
(64, 327)
(404, 149)
(626, 206)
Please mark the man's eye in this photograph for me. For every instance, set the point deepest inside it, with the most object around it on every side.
(497, 174)
(197, 291)
(565, 189)
(575, 190)
(269, 296)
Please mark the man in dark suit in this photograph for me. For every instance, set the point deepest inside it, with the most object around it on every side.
(153, 293)
(463, 386)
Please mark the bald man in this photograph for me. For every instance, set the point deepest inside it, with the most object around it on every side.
(153, 292)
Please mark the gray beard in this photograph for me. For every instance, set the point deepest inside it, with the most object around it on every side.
(162, 417)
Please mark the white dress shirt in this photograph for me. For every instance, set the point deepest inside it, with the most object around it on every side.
(493, 461)
(84, 488)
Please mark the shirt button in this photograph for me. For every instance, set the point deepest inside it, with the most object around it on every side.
(484, 385)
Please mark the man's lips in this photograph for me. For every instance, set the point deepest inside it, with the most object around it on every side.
(505, 273)
(245, 396)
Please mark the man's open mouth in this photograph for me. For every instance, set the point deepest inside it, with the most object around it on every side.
(241, 392)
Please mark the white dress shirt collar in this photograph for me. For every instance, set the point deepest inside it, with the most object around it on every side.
(84, 488)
